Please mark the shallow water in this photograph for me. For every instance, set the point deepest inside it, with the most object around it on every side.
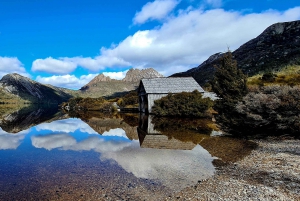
(96, 158)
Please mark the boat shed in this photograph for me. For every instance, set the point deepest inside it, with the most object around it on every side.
(153, 89)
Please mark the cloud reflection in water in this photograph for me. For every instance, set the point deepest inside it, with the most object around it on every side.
(11, 141)
(173, 168)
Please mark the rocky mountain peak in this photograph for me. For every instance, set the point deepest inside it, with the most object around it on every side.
(135, 75)
(105, 86)
(102, 78)
(14, 77)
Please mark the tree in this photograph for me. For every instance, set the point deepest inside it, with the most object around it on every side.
(230, 84)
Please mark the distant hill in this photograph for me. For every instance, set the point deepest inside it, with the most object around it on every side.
(17, 86)
(103, 85)
(275, 48)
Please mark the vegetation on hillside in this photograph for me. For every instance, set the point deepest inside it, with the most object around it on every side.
(90, 104)
(131, 99)
(290, 75)
(6, 98)
(183, 105)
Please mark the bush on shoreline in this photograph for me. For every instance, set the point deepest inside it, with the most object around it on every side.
(183, 105)
(270, 110)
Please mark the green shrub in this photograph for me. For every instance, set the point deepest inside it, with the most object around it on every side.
(182, 105)
(130, 99)
(270, 110)
(269, 77)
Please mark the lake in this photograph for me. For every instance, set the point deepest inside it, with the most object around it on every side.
(46, 154)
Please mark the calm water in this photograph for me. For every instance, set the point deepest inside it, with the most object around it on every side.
(46, 155)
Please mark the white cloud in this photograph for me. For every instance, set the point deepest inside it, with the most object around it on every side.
(155, 10)
(56, 66)
(186, 40)
(66, 65)
(99, 62)
(116, 75)
(11, 65)
(66, 81)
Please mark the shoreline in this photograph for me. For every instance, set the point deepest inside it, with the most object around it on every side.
(270, 172)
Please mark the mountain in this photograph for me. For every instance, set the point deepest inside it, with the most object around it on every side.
(32, 91)
(135, 75)
(103, 85)
(275, 48)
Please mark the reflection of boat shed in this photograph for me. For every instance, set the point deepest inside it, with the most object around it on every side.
(159, 141)
(155, 88)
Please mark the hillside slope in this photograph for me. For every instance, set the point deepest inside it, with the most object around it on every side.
(24, 88)
(275, 48)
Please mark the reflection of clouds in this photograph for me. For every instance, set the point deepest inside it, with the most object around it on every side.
(174, 168)
(11, 141)
(66, 126)
(99, 145)
(68, 142)
(52, 141)
(116, 132)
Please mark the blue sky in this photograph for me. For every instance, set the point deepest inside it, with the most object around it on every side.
(67, 42)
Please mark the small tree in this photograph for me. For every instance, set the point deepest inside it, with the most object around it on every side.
(230, 84)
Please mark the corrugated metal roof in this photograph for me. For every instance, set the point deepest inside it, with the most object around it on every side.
(171, 85)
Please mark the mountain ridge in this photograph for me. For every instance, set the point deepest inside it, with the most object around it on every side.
(277, 46)
(106, 86)
(30, 90)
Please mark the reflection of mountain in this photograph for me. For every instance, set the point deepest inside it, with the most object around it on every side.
(28, 117)
(102, 125)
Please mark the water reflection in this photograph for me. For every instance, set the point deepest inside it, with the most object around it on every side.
(143, 147)
(9, 141)
(27, 117)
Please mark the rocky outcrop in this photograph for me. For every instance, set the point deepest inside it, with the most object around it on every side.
(276, 47)
(135, 75)
(103, 85)
(30, 90)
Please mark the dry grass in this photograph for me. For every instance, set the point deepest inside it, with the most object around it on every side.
(289, 75)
